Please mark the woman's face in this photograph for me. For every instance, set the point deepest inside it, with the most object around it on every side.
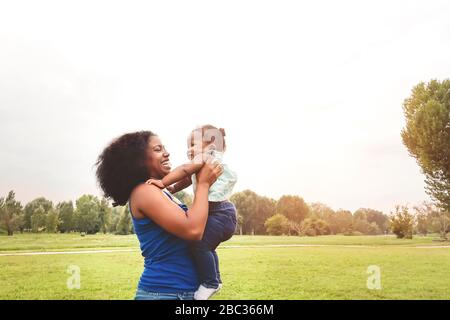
(158, 158)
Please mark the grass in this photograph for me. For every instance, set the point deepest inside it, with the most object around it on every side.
(52, 242)
(55, 242)
(330, 272)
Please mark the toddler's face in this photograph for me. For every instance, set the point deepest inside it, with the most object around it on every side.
(195, 145)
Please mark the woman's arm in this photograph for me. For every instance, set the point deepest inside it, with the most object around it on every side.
(152, 203)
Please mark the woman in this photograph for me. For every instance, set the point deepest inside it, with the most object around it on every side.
(162, 224)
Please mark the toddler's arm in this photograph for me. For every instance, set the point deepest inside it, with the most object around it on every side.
(180, 185)
(180, 173)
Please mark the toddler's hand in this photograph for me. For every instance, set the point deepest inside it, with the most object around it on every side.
(156, 182)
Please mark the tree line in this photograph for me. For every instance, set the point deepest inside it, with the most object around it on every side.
(291, 215)
(257, 215)
(89, 215)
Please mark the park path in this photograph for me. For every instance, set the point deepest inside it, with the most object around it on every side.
(221, 247)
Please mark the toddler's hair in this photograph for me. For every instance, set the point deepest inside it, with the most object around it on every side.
(204, 129)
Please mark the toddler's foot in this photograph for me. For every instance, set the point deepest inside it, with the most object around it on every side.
(204, 293)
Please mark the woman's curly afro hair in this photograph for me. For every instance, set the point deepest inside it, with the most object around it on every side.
(122, 166)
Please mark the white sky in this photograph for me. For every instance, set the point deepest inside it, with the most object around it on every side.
(310, 93)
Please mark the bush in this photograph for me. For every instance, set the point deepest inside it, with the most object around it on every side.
(277, 225)
(402, 223)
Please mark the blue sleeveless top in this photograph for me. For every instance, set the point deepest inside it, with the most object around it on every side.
(168, 266)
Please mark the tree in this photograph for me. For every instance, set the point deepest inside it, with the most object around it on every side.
(320, 211)
(277, 225)
(125, 225)
(31, 207)
(427, 136)
(52, 221)
(87, 214)
(240, 221)
(104, 215)
(66, 216)
(11, 217)
(265, 208)
(440, 221)
(314, 227)
(424, 215)
(365, 227)
(294, 228)
(253, 211)
(292, 207)
(341, 222)
(372, 217)
(184, 197)
(115, 217)
(402, 222)
(245, 202)
(38, 219)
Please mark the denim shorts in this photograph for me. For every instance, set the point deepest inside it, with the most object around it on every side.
(147, 295)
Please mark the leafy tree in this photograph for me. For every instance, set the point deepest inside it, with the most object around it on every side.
(372, 216)
(365, 227)
(440, 222)
(184, 197)
(424, 215)
(341, 222)
(66, 216)
(52, 221)
(265, 208)
(320, 211)
(294, 228)
(115, 217)
(277, 225)
(292, 207)
(402, 222)
(11, 217)
(246, 205)
(314, 227)
(31, 207)
(87, 214)
(239, 221)
(427, 136)
(125, 225)
(104, 215)
(253, 211)
(38, 219)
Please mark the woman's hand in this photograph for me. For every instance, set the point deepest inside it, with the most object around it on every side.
(208, 174)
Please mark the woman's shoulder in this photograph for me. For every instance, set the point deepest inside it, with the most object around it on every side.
(144, 191)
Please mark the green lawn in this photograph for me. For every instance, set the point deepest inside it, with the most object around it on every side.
(55, 242)
(329, 272)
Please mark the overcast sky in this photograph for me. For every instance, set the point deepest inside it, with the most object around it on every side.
(310, 93)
